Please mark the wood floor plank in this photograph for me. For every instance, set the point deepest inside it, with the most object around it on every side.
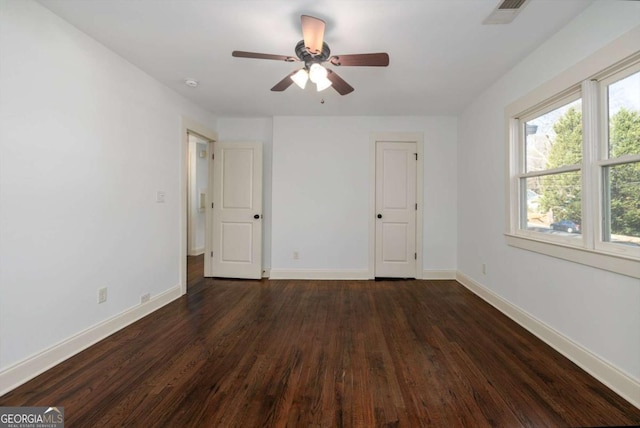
(279, 353)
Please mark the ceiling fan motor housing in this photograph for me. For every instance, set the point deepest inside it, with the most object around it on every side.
(305, 56)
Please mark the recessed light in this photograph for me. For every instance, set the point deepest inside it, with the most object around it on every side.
(191, 82)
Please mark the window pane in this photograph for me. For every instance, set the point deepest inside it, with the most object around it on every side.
(622, 204)
(554, 203)
(536, 219)
(624, 116)
(554, 139)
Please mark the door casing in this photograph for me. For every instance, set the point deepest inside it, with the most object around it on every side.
(188, 125)
(400, 137)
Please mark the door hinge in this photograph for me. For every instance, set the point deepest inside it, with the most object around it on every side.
(415, 256)
(213, 156)
(416, 156)
(212, 254)
(416, 207)
(211, 204)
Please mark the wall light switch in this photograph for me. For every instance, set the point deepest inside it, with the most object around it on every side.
(160, 196)
(102, 295)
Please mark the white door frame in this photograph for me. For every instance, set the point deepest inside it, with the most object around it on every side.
(193, 195)
(400, 137)
(187, 125)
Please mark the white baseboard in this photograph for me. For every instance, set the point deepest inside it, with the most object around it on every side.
(625, 386)
(318, 274)
(346, 274)
(438, 274)
(196, 251)
(27, 369)
(605, 372)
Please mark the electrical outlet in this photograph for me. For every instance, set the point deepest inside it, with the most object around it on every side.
(296, 255)
(145, 298)
(484, 268)
(102, 295)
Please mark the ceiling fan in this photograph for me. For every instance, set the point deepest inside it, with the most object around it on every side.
(313, 51)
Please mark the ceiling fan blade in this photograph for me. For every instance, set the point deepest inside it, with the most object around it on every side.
(284, 83)
(338, 83)
(366, 60)
(312, 33)
(243, 54)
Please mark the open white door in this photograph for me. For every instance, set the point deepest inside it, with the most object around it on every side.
(237, 211)
(395, 201)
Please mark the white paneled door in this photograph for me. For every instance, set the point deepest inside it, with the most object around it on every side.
(237, 210)
(395, 246)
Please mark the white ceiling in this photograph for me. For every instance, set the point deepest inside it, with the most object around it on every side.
(441, 56)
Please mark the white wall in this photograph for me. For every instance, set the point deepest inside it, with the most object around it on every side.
(596, 309)
(261, 130)
(86, 141)
(321, 190)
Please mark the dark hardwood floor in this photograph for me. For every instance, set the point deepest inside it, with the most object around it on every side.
(264, 353)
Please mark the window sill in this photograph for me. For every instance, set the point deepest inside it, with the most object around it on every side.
(610, 262)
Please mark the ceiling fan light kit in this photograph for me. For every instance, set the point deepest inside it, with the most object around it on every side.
(317, 73)
(313, 51)
(300, 78)
(323, 84)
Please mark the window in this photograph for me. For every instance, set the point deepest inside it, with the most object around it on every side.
(574, 172)
(552, 173)
(621, 167)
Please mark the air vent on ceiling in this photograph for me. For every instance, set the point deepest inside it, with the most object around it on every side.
(511, 4)
(505, 12)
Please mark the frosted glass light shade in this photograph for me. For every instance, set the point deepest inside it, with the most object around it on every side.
(323, 84)
(317, 73)
(300, 78)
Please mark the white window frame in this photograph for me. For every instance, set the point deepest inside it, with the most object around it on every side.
(587, 78)
(604, 161)
(565, 98)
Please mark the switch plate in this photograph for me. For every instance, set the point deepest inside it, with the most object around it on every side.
(160, 196)
(102, 295)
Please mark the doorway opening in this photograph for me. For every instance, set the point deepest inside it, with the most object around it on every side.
(197, 182)
(197, 141)
(197, 197)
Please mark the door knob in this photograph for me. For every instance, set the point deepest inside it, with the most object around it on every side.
(257, 216)
(379, 215)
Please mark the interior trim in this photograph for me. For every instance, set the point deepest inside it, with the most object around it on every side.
(605, 372)
(188, 125)
(27, 369)
(341, 274)
(399, 137)
(594, 258)
(196, 251)
(622, 384)
(438, 274)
